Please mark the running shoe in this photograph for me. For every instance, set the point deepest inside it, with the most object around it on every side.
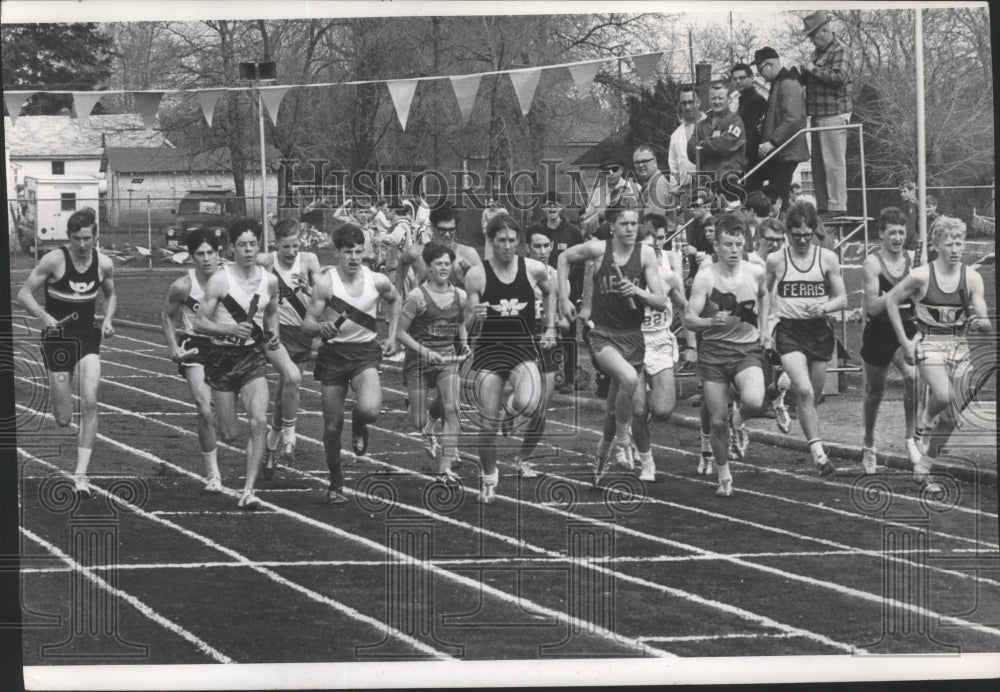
(214, 485)
(913, 451)
(648, 472)
(359, 440)
(82, 487)
(448, 477)
(824, 466)
(869, 460)
(706, 465)
(526, 470)
(600, 466)
(270, 462)
(431, 444)
(781, 415)
(741, 441)
(725, 489)
(490, 483)
(333, 497)
(623, 456)
(249, 502)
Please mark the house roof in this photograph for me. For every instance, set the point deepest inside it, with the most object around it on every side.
(611, 148)
(163, 160)
(60, 136)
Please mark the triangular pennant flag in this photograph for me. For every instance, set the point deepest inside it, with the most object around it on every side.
(209, 99)
(525, 82)
(466, 88)
(583, 76)
(646, 64)
(272, 100)
(83, 104)
(14, 103)
(147, 102)
(402, 91)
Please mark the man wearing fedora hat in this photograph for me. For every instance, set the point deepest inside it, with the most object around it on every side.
(609, 189)
(827, 79)
(784, 117)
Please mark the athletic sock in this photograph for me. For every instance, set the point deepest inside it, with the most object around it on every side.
(429, 426)
(621, 433)
(646, 458)
(288, 426)
(273, 435)
(816, 449)
(82, 460)
(211, 464)
(724, 473)
(706, 442)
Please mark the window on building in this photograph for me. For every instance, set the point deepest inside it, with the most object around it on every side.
(68, 201)
(58, 168)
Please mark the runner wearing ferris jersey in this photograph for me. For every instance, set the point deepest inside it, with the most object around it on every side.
(296, 272)
(949, 303)
(189, 348)
(808, 287)
(879, 346)
(501, 311)
(71, 338)
(342, 313)
(239, 313)
(625, 268)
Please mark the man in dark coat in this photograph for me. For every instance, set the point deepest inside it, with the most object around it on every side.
(786, 116)
(718, 145)
(751, 110)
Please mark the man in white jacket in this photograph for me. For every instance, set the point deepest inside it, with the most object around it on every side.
(681, 166)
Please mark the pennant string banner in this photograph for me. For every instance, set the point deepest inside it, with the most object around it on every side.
(14, 103)
(272, 100)
(583, 76)
(402, 91)
(525, 84)
(84, 102)
(466, 89)
(368, 81)
(645, 65)
(147, 102)
(209, 100)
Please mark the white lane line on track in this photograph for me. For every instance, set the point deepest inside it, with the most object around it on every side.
(470, 562)
(141, 607)
(960, 574)
(717, 605)
(465, 581)
(684, 452)
(717, 637)
(724, 607)
(273, 576)
(816, 582)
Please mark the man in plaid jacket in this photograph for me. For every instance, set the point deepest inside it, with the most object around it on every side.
(827, 79)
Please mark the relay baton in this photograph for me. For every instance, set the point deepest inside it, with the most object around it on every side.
(188, 353)
(71, 317)
(618, 272)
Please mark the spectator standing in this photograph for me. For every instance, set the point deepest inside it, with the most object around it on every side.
(719, 141)
(827, 79)
(751, 110)
(784, 118)
(609, 189)
(681, 167)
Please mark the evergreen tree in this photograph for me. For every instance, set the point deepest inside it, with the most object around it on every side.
(54, 56)
(652, 116)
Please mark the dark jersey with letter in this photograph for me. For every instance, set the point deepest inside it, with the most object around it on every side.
(75, 291)
(611, 309)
